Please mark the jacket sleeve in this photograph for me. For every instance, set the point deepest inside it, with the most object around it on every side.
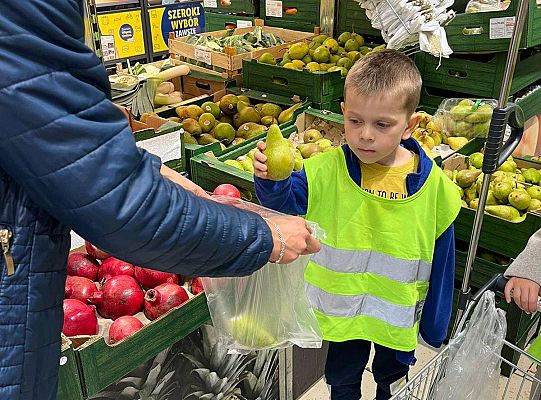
(526, 264)
(289, 196)
(72, 151)
(439, 300)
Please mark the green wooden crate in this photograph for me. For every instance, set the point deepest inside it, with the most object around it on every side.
(352, 18)
(69, 382)
(216, 21)
(332, 106)
(531, 104)
(483, 270)
(191, 150)
(470, 33)
(209, 172)
(497, 235)
(480, 75)
(101, 365)
(306, 18)
(317, 87)
(249, 7)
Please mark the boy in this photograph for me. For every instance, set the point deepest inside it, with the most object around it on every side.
(388, 211)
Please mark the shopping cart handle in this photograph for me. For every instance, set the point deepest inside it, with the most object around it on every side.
(496, 152)
(496, 284)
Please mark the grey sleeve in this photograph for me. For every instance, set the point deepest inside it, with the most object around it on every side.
(528, 263)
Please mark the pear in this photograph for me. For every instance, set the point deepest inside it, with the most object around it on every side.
(470, 193)
(299, 161)
(476, 160)
(269, 109)
(237, 140)
(268, 120)
(519, 199)
(235, 164)
(531, 175)
(307, 149)
(535, 205)
(448, 173)
(502, 190)
(505, 212)
(287, 115)
(206, 138)
(474, 204)
(247, 163)
(507, 167)
(491, 199)
(207, 122)
(280, 155)
(192, 126)
(312, 136)
(466, 178)
(324, 143)
(189, 139)
(456, 143)
(534, 192)
(249, 331)
(464, 204)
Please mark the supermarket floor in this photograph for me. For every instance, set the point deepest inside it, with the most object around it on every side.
(515, 391)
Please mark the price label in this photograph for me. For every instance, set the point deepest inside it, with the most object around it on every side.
(203, 54)
(167, 146)
(273, 8)
(210, 3)
(243, 24)
(501, 28)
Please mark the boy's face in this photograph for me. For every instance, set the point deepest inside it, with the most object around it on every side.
(374, 127)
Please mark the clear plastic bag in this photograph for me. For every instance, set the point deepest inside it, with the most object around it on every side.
(475, 6)
(268, 309)
(473, 367)
(468, 118)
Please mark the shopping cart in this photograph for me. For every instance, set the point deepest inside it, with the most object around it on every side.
(422, 385)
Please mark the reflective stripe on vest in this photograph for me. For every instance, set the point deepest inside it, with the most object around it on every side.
(364, 304)
(361, 261)
(371, 277)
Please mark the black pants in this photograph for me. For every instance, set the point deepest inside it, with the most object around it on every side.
(346, 362)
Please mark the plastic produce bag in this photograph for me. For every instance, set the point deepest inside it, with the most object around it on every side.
(473, 365)
(467, 118)
(268, 309)
(475, 6)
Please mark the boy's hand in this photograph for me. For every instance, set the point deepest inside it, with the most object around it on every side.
(260, 160)
(524, 294)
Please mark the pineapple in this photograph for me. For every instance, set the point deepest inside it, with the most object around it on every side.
(261, 382)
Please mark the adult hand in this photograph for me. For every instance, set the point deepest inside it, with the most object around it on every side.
(260, 161)
(525, 293)
(296, 239)
(187, 184)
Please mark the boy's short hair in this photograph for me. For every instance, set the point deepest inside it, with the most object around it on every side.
(388, 72)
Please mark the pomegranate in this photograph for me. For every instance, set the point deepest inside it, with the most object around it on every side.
(93, 251)
(226, 189)
(148, 278)
(79, 318)
(80, 288)
(123, 327)
(197, 286)
(80, 264)
(113, 266)
(163, 298)
(120, 295)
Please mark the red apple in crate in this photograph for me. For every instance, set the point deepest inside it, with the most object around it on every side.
(226, 189)
(163, 298)
(80, 264)
(79, 318)
(120, 295)
(80, 288)
(93, 251)
(123, 327)
(149, 278)
(113, 266)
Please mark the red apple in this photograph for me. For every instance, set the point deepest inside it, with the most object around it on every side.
(93, 251)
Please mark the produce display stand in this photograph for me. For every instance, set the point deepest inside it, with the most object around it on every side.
(302, 15)
(230, 61)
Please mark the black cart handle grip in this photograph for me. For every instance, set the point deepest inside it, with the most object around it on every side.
(496, 284)
(496, 152)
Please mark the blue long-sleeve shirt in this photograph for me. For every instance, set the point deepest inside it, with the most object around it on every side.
(290, 196)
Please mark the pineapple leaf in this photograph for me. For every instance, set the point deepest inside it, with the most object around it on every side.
(129, 392)
(194, 360)
(162, 383)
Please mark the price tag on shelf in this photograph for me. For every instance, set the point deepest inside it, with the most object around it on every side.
(243, 24)
(210, 3)
(203, 54)
(501, 28)
(273, 8)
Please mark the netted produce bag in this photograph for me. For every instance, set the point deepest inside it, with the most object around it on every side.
(268, 309)
(467, 118)
(473, 367)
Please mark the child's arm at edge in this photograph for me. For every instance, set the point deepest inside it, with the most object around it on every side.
(289, 196)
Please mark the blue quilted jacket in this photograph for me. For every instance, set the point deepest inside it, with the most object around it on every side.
(68, 160)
